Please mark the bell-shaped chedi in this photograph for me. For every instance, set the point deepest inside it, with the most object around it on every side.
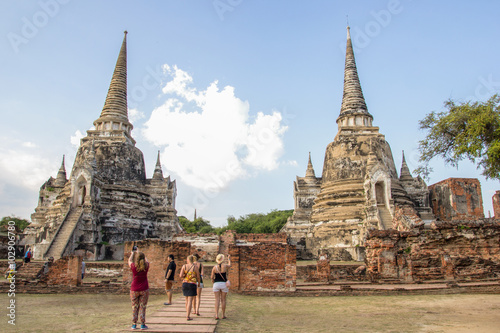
(108, 199)
(360, 185)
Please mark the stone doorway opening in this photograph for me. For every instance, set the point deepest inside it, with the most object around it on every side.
(380, 193)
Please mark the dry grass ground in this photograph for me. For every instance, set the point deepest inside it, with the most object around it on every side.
(111, 313)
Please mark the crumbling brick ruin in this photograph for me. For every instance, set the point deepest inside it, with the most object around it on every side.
(457, 199)
(107, 199)
(263, 267)
(156, 252)
(260, 262)
(454, 250)
(359, 189)
(358, 210)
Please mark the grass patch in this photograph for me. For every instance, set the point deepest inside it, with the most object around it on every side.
(436, 313)
(112, 313)
(73, 313)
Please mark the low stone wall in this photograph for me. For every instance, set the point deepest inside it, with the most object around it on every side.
(263, 267)
(352, 272)
(65, 271)
(458, 250)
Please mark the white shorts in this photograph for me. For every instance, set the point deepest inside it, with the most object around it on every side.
(220, 286)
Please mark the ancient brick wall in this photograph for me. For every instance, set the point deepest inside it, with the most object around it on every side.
(352, 272)
(405, 218)
(496, 204)
(263, 267)
(458, 250)
(156, 252)
(262, 238)
(457, 199)
(205, 245)
(226, 239)
(65, 271)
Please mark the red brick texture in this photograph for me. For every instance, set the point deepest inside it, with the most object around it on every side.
(263, 267)
(156, 252)
(449, 250)
(352, 272)
(457, 199)
(65, 271)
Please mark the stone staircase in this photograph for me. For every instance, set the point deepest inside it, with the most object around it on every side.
(64, 233)
(29, 271)
(385, 217)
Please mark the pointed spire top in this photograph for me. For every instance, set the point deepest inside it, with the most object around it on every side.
(158, 162)
(61, 175)
(353, 101)
(63, 167)
(158, 173)
(115, 106)
(405, 174)
(310, 169)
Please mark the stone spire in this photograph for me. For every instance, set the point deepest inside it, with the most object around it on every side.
(405, 174)
(353, 111)
(114, 115)
(61, 175)
(310, 169)
(158, 174)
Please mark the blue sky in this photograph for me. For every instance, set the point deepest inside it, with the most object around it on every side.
(234, 93)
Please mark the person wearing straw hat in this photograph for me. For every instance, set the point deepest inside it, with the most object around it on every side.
(221, 284)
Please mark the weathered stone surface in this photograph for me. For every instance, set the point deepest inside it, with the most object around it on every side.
(417, 190)
(107, 200)
(305, 191)
(457, 199)
(448, 250)
(205, 245)
(496, 204)
(359, 187)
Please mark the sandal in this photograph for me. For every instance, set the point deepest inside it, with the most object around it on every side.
(216, 318)
(188, 318)
(224, 317)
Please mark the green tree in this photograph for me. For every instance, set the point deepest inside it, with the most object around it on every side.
(199, 225)
(258, 222)
(19, 222)
(465, 131)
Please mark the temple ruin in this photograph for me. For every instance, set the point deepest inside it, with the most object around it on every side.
(107, 200)
(360, 190)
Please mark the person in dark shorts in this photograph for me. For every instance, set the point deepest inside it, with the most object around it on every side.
(169, 277)
(190, 279)
(197, 300)
(27, 256)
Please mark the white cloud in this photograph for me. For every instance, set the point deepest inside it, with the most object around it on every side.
(75, 139)
(29, 144)
(134, 115)
(20, 166)
(207, 137)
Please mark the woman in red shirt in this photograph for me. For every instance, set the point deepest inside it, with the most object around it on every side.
(139, 288)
